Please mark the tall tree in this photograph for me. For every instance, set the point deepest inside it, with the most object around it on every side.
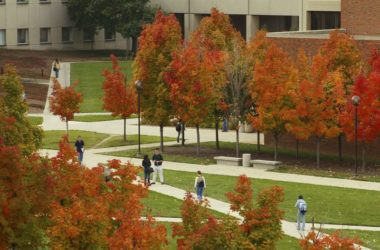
(156, 44)
(14, 107)
(65, 102)
(343, 55)
(119, 97)
(367, 88)
(317, 99)
(272, 80)
(194, 79)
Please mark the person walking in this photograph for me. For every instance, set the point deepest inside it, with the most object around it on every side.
(79, 146)
(56, 67)
(178, 128)
(147, 169)
(157, 160)
(200, 185)
(302, 208)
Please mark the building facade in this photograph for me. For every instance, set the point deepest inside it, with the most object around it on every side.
(45, 24)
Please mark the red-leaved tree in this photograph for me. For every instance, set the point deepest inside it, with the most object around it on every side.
(120, 98)
(65, 102)
(368, 109)
(317, 241)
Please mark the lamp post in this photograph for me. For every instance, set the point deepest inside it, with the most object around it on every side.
(138, 88)
(355, 101)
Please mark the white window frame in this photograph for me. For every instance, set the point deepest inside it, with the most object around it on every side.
(26, 36)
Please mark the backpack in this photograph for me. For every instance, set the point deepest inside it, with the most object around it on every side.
(201, 183)
(303, 208)
(178, 127)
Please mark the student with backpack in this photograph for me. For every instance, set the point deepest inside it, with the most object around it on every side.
(178, 128)
(200, 185)
(147, 170)
(302, 209)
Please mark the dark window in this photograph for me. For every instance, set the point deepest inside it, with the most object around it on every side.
(22, 36)
(279, 23)
(181, 19)
(88, 36)
(239, 23)
(109, 35)
(2, 38)
(67, 34)
(44, 35)
(321, 20)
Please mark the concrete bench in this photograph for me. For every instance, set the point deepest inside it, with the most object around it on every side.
(225, 160)
(264, 164)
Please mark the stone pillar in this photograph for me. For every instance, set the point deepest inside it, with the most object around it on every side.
(246, 160)
(252, 26)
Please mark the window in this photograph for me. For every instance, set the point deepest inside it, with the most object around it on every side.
(88, 36)
(109, 36)
(321, 20)
(22, 36)
(278, 23)
(44, 1)
(67, 34)
(22, 1)
(2, 38)
(2, 1)
(45, 35)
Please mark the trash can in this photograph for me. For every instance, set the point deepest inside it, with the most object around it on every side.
(246, 160)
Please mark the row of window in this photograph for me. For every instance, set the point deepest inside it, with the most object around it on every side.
(45, 36)
(26, 1)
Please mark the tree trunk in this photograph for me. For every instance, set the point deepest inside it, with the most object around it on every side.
(340, 147)
(297, 149)
(237, 143)
(162, 137)
(318, 146)
(363, 157)
(275, 146)
(134, 45)
(198, 139)
(217, 132)
(183, 134)
(258, 141)
(125, 129)
(67, 128)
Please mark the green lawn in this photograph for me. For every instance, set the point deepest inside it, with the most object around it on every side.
(95, 118)
(35, 120)
(160, 205)
(52, 138)
(369, 239)
(326, 204)
(116, 141)
(167, 156)
(89, 75)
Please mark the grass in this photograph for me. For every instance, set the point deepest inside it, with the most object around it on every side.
(89, 75)
(117, 141)
(325, 173)
(35, 120)
(167, 156)
(160, 205)
(369, 239)
(326, 204)
(52, 138)
(99, 118)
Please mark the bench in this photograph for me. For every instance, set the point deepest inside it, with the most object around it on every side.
(225, 160)
(264, 164)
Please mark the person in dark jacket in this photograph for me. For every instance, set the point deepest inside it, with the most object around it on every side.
(158, 159)
(146, 164)
(79, 146)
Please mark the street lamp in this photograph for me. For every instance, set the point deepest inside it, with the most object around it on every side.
(355, 101)
(138, 86)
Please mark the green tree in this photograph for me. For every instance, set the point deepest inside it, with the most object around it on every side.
(15, 108)
(156, 44)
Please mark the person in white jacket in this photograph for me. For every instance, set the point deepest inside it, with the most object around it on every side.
(302, 208)
(200, 185)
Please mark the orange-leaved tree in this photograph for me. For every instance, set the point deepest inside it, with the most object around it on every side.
(368, 109)
(273, 78)
(157, 42)
(201, 230)
(65, 102)
(318, 241)
(89, 212)
(261, 222)
(119, 97)
(343, 54)
(194, 78)
(318, 97)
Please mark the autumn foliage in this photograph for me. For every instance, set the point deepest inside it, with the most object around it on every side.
(317, 241)
(260, 228)
(65, 101)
